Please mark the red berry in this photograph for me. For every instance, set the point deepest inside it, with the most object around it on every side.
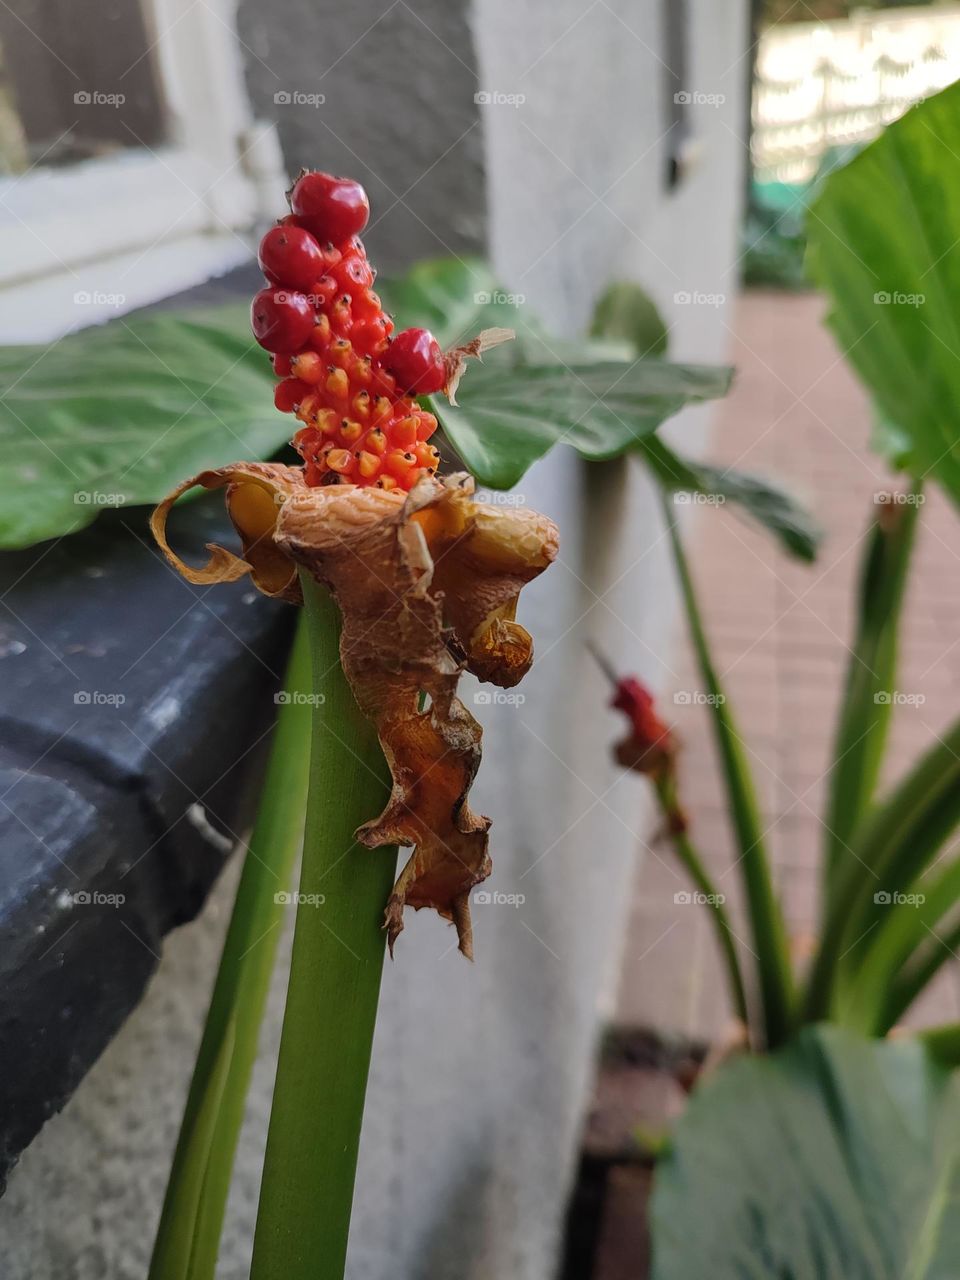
(416, 361)
(281, 366)
(288, 394)
(333, 208)
(290, 256)
(282, 320)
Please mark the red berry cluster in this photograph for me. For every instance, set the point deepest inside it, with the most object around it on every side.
(351, 386)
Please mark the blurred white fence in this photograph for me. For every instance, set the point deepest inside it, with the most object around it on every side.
(825, 84)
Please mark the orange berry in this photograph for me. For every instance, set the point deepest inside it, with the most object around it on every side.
(399, 462)
(337, 383)
(368, 464)
(340, 460)
(350, 432)
(308, 367)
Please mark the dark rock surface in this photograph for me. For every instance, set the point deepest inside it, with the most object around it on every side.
(135, 712)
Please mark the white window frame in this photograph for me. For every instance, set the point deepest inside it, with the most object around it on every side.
(144, 222)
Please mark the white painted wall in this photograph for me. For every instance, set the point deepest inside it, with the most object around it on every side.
(480, 1071)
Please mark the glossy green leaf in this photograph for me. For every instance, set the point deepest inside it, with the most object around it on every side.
(773, 508)
(512, 413)
(835, 1159)
(119, 414)
(883, 245)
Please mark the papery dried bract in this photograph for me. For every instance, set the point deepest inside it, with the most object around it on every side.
(426, 583)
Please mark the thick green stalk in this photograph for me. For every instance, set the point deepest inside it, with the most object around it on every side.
(310, 1163)
(189, 1232)
(867, 700)
(690, 859)
(892, 847)
(766, 920)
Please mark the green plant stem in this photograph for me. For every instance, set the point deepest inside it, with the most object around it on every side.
(766, 920)
(867, 701)
(916, 975)
(188, 1235)
(665, 788)
(892, 847)
(907, 925)
(310, 1163)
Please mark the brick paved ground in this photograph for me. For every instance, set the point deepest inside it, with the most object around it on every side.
(780, 631)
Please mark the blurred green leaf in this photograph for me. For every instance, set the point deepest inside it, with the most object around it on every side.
(628, 312)
(771, 507)
(883, 245)
(836, 1158)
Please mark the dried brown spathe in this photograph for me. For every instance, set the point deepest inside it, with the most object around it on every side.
(427, 583)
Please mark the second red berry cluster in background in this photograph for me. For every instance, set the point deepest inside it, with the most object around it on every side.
(350, 384)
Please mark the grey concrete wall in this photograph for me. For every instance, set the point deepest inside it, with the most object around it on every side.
(398, 82)
(480, 1072)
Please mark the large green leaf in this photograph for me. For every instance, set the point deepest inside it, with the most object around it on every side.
(883, 244)
(834, 1159)
(119, 414)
